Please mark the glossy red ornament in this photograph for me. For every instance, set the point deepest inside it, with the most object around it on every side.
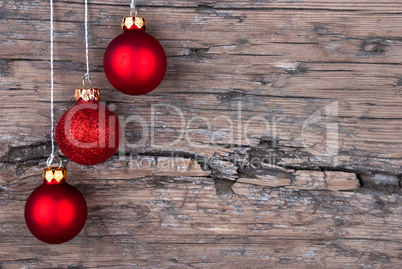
(134, 62)
(88, 133)
(56, 211)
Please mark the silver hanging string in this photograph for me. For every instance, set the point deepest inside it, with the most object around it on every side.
(51, 158)
(133, 9)
(86, 41)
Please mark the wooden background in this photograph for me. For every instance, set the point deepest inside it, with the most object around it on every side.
(203, 201)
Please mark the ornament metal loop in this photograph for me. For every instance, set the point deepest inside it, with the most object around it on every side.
(131, 13)
(50, 161)
(89, 80)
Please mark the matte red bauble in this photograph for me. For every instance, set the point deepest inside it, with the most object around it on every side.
(134, 62)
(56, 211)
(88, 133)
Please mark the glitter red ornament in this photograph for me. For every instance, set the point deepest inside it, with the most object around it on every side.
(56, 211)
(88, 133)
(134, 62)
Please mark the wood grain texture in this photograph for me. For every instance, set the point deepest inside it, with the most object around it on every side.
(170, 221)
(228, 163)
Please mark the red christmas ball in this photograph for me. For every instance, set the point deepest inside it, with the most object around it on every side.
(56, 211)
(88, 133)
(134, 62)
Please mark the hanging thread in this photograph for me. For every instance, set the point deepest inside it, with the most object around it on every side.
(51, 158)
(133, 9)
(86, 42)
(86, 38)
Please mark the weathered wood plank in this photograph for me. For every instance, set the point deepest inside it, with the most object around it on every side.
(245, 82)
(306, 180)
(182, 220)
(289, 79)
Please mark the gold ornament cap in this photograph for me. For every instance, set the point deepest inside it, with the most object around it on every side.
(87, 94)
(56, 173)
(133, 23)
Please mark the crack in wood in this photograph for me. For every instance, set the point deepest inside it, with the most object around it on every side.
(196, 54)
(237, 167)
(375, 46)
